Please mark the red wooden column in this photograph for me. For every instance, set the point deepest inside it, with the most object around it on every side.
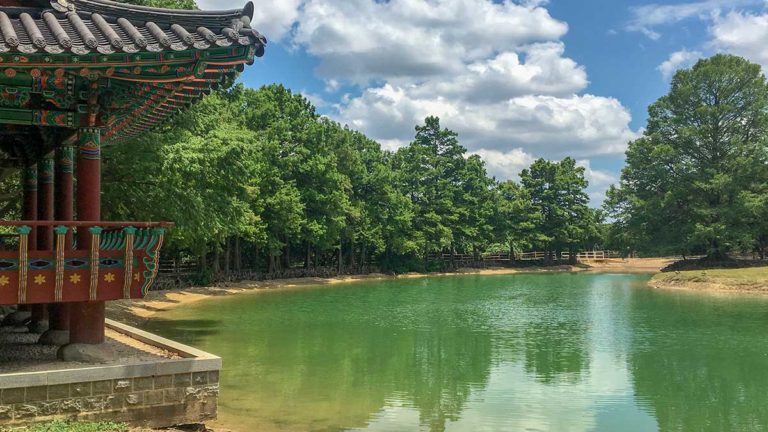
(86, 324)
(58, 334)
(44, 234)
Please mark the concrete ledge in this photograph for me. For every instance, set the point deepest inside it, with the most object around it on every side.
(152, 394)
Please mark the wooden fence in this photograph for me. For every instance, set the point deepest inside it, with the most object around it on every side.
(524, 256)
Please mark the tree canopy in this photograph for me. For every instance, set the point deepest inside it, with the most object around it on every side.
(695, 181)
(257, 179)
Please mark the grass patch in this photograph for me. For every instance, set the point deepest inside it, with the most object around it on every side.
(752, 277)
(71, 426)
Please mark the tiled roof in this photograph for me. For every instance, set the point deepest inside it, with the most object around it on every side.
(83, 27)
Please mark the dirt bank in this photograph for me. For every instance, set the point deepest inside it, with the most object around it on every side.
(136, 312)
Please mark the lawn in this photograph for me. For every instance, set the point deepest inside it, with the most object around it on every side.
(67, 426)
(752, 279)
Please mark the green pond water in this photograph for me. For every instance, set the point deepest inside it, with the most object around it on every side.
(554, 352)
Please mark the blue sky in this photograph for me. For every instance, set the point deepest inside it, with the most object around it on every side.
(517, 79)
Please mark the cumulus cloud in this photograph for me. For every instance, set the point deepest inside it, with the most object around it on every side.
(743, 34)
(551, 126)
(678, 60)
(362, 40)
(505, 165)
(496, 72)
(647, 18)
(274, 20)
(545, 71)
(599, 181)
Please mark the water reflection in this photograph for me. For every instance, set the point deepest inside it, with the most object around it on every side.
(717, 379)
(535, 352)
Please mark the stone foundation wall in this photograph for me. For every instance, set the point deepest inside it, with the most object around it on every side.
(153, 401)
(159, 394)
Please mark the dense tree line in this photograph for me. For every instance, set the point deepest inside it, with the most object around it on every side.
(257, 179)
(696, 182)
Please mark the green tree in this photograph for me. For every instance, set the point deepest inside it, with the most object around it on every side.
(557, 191)
(430, 170)
(474, 230)
(515, 220)
(688, 180)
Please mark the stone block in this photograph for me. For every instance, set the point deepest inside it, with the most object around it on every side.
(49, 408)
(59, 391)
(174, 395)
(134, 399)
(80, 389)
(122, 386)
(213, 377)
(202, 392)
(163, 381)
(36, 394)
(9, 381)
(71, 406)
(182, 380)
(24, 411)
(94, 403)
(101, 387)
(113, 403)
(6, 412)
(200, 378)
(153, 397)
(143, 383)
(13, 395)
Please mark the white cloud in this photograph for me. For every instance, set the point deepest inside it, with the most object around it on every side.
(361, 40)
(646, 18)
(599, 182)
(743, 34)
(505, 165)
(551, 126)
(274, 20)
(678, 60)
(545, 72)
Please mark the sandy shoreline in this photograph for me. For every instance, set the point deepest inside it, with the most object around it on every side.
(157, 302)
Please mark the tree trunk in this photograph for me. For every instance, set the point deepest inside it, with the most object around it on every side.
(272, 263)
(204, 258)
(341, 256)
(362, 257)
(238, 256)
(287, 256)
(571, 256)
(308, 256)
(217, 260)
(228, 257)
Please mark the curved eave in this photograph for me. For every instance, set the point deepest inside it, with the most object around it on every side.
(164, 16)
(105, 27)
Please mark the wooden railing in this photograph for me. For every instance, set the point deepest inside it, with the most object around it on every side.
(121, 261)
(590, 255)
(523, 256)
